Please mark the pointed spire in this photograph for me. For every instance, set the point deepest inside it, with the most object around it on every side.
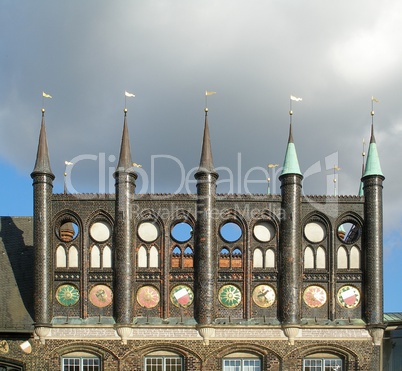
(373, 166)
(291, 163)
(125, 161)
(42, 164)
(206, 162)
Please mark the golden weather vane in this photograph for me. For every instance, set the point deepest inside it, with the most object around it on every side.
(207, 94)
(44, 95)
(127, 95)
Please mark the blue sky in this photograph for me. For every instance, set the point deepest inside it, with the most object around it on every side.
(335, 56)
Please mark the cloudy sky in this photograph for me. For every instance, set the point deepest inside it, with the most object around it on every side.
(254, 54)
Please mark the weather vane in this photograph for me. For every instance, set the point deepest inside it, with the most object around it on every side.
(296, 99)
(127, 95)
(373, 99)
(207, 94)
(44, 95)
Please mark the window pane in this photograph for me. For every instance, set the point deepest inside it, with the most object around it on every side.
(251, 365)
(81, 364)
(71, 364)
(312, 365)
(326, 364)
(232, 365)
(153, 364)
(333, 365)
(241, 365)
(90, 364)
(173, 364)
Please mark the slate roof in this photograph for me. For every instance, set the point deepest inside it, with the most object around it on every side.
(16, 274)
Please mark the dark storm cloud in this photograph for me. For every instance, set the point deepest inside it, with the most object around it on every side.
(254, 54)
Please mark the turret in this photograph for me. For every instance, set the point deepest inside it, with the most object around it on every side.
(123, 237)
(290, 269)
(205, 238)
(373, 241)
(43, 177)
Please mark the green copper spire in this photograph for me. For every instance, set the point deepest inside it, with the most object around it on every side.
(373, 166)
(291, 163)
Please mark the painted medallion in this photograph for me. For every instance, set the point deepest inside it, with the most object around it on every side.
(315, 296)
(67, 295)
(264, 296)
(101, 296)
(348, 297)
(229, 296)
(148, 296)
(182, 296)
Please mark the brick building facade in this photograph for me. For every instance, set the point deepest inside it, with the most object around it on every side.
(201, 281)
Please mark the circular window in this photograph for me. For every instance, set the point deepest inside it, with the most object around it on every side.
(314, 232)
(264, 231)
(182, 232)
(148, 232)
(349, 232)
(230, 232)
(100, 231)
(68, 231)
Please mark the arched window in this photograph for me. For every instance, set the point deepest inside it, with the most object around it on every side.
(224, 258)
(257, 258)
(308, 258)
(320, 264)
(188, 257)
(342, 258)
(61, 258)
(188, 251)
(355, 258)
(270, 258)
(153, 257)
(73, 257)
(107, 257)
(95, 257)
(236, 259)
(142, 257)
